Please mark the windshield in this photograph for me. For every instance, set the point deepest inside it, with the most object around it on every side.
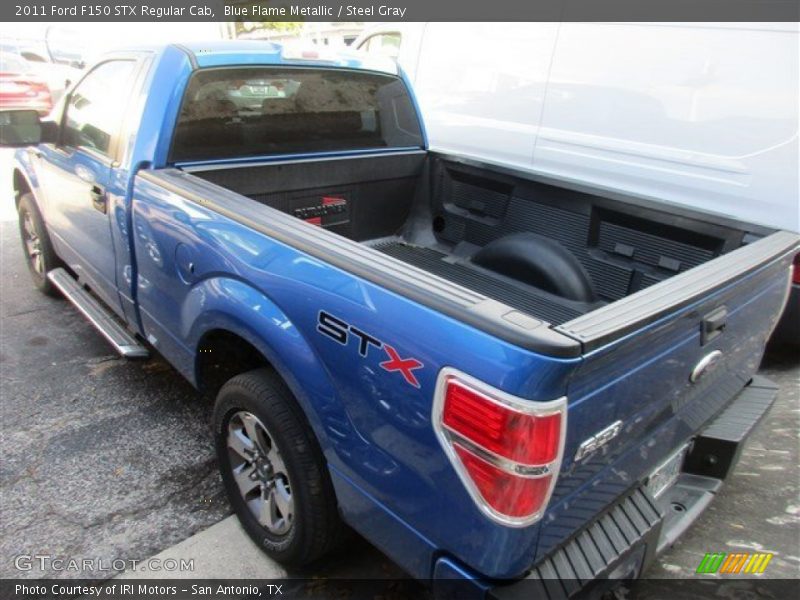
(237, 112)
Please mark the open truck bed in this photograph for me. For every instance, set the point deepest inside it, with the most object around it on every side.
(437, 213)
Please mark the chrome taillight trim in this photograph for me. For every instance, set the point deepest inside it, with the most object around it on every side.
(502, 463)
(447, 437)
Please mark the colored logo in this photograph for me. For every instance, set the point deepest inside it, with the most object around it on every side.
(342, 332)
(404, 365)
(734, 563)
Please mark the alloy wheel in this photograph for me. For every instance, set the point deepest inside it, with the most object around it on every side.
(33, 244)
(260, 472)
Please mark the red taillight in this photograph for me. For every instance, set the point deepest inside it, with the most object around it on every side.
(507, 450)
(523, 438)
(796, 269)
(508, 494)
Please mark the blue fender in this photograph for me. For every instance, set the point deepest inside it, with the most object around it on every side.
(223, 303)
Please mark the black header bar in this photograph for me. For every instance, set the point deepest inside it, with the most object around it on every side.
(400, 10)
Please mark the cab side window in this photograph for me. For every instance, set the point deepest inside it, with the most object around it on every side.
(96, 107)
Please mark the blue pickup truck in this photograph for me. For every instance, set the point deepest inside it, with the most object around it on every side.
(505, 382)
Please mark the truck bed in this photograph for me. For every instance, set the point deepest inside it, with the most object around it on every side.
(436, 213)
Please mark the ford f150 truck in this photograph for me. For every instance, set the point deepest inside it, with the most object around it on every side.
(497, 378)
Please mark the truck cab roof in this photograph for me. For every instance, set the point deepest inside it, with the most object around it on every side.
(217, 53)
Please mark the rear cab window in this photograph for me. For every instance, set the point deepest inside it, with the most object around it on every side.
(253, 111)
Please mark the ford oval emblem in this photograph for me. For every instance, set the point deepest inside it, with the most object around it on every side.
(705, 365)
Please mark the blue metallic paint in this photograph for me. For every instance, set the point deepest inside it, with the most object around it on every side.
(644, 381)
(374, 427)
(80, 233)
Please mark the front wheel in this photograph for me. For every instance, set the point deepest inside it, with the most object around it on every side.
(273, 470)
(39, 254)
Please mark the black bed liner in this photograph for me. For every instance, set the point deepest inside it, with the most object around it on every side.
(623, 248)
(525, 298)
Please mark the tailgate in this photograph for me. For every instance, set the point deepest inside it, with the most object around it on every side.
(680, 351)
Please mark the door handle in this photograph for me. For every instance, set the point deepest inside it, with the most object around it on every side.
(99, 201)
(713, 324)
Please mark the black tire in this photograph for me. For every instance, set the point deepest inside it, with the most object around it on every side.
(315, 527)
(39, 254)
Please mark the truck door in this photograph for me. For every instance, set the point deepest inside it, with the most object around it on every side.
(77, 175)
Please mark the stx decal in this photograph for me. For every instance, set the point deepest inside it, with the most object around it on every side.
(340, 331)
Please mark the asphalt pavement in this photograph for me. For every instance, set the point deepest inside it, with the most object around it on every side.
(112, 459)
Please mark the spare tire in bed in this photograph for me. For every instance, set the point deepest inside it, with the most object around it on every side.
(538, 261)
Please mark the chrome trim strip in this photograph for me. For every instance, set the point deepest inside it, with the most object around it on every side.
(121, 340)
(504, 464)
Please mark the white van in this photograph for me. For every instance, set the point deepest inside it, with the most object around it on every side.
(700, 114)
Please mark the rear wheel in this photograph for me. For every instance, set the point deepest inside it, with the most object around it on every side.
(273, 470)
(260, 472)
(39, 254)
